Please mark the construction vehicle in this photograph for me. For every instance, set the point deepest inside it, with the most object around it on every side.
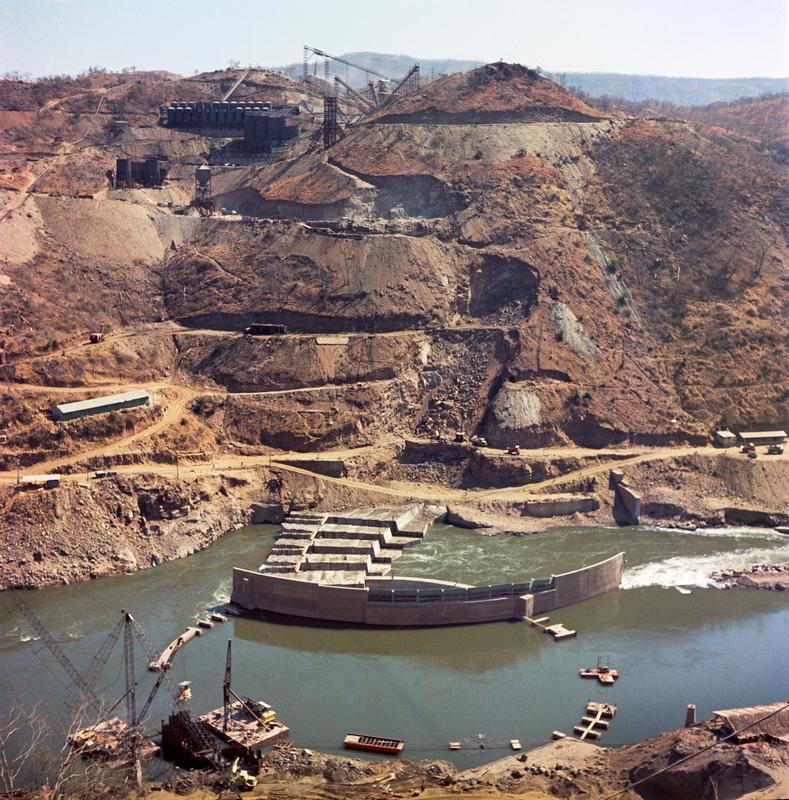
(748, 448)
(264, 329)
(775, 450)
(241, 778)
(514, 450)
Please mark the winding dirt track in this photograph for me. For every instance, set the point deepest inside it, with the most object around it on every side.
(180, 396)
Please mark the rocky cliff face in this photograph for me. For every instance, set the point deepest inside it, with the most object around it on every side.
(115, 526)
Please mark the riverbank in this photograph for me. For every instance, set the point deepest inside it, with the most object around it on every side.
(137, 519)
(498, 681)
(683, 764)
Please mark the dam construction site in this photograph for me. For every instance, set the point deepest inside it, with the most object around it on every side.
(347, 387)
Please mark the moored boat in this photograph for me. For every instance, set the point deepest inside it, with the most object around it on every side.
(374, 744)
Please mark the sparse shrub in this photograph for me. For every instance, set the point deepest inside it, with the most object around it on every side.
(612, 266)
(206, 405)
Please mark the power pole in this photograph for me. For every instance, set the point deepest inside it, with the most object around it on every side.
(226, 687)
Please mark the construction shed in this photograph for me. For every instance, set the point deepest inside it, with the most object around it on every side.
(101, 405)
(762, 437)
(725, 439)
(50, 481)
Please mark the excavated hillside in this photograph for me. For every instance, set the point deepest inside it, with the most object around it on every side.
(488, 254)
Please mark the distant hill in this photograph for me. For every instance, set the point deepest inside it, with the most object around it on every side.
(678, 91)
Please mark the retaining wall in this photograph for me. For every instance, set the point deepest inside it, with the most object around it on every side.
(420, 602)
(562, 506)
(332, 468)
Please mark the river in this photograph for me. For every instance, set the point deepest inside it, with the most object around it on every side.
(674, 636)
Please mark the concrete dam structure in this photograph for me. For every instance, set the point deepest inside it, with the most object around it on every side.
(337, 568)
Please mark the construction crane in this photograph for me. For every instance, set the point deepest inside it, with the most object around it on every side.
(86, 683)
(195, 731)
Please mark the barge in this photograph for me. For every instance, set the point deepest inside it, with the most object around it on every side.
(374, 744)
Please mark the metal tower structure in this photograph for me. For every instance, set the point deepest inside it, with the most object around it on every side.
(226, 687)
(331, 128)
(204, 198)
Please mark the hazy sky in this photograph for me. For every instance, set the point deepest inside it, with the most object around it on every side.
(700, 38)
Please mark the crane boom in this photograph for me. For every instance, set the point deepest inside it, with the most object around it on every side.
(103, 653)
(196, 731)
(317, 52)
(363, 101)
(54, 648)
(414, 70)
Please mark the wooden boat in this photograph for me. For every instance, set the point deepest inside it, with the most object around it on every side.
(374, 744)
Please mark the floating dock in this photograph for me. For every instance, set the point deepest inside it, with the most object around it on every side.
(557, 630)
(604, 673)
(109, 741)
(597, 716)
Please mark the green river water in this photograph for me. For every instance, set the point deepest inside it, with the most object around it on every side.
(674, 636)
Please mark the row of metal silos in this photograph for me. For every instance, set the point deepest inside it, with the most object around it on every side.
(203, 114)
(263, 130)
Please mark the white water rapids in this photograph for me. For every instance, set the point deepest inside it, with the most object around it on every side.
(695, 570)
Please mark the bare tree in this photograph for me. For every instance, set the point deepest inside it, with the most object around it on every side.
(22, 730)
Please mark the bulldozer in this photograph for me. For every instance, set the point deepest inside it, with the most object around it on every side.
(241, 778)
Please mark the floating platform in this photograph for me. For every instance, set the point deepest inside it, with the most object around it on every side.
(596, 718)
(515, 744)
(252, 726)
(374, 744)
(110, 741)
(557, 630)
(604, 674)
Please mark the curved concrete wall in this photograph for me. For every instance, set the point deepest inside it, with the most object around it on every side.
(286, 594)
